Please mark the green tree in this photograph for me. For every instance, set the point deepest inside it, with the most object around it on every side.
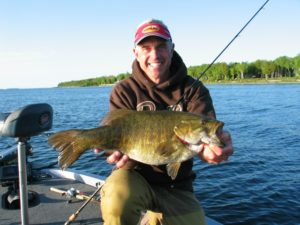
(241, 68)
(253, 71)
(268, 68)
(196, 71)
(284, 66)
(258, 64)
(122, 76)
(296, 63)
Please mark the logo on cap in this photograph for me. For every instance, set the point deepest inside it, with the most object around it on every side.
(150, 28)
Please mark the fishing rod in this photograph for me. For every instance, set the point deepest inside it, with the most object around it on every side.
(173, 108)
(75, 215)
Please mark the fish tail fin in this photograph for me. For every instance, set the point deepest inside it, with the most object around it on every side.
(70, 146)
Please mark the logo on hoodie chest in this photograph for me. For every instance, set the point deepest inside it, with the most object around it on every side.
(150, 106)
(146, 106)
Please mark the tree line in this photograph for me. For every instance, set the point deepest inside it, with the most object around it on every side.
(281, 67)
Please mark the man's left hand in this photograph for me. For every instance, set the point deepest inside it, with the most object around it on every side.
(214, 154)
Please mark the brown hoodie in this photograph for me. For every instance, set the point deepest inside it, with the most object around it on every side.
(138, 92)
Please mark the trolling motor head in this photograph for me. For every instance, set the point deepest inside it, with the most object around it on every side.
(27, 121)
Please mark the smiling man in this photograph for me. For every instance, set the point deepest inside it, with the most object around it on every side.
(146, 193)
(154, 56)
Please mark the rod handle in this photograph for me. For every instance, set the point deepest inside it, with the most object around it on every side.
(56, 190)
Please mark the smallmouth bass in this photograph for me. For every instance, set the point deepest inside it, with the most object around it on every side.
(149, 137)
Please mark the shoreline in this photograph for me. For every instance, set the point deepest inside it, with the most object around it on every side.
(251, 81)
(256, 81)
(233, 82)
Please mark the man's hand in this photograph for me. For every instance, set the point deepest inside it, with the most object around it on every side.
(120, 160)
(214, 154)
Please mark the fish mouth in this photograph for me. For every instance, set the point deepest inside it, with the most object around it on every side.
(195, 147)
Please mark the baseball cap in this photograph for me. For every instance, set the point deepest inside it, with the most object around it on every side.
(152, 27)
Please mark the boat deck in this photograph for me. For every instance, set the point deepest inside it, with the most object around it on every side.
(54, 208)
(59, 209)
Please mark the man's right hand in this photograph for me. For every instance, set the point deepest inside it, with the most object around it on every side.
(121, 160)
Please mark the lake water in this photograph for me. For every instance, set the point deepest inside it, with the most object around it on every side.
(259, 185)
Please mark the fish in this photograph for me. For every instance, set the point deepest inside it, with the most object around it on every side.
(149, 137)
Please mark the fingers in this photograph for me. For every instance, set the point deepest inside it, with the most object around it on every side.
(122, 162)
(118, 158)
(217, 154)
(214, 154)
(226, 139)
(114, 157)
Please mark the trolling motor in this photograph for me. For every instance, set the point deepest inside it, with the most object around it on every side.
(22, 124)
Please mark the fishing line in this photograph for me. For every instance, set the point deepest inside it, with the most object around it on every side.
(173, 107)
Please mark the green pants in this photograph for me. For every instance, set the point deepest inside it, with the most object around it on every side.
(126, 196)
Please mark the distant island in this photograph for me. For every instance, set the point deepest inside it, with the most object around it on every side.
(282, 69)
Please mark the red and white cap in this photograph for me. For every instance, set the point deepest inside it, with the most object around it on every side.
(152, 27)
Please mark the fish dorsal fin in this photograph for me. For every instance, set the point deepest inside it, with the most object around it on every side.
(172, 169)
(115, 115)
(188, 132)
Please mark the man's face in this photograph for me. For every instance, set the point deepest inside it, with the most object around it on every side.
(154, 55)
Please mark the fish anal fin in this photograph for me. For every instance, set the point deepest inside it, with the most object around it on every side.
(172, 169)
(152, 218)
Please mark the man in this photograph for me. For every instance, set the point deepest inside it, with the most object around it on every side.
(159, 78)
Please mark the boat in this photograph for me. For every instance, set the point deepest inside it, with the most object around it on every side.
(35, 193)
(53, 205)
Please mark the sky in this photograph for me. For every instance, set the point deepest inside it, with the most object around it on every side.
(45, 42)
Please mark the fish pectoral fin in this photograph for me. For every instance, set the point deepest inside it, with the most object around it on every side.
(172, 169)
